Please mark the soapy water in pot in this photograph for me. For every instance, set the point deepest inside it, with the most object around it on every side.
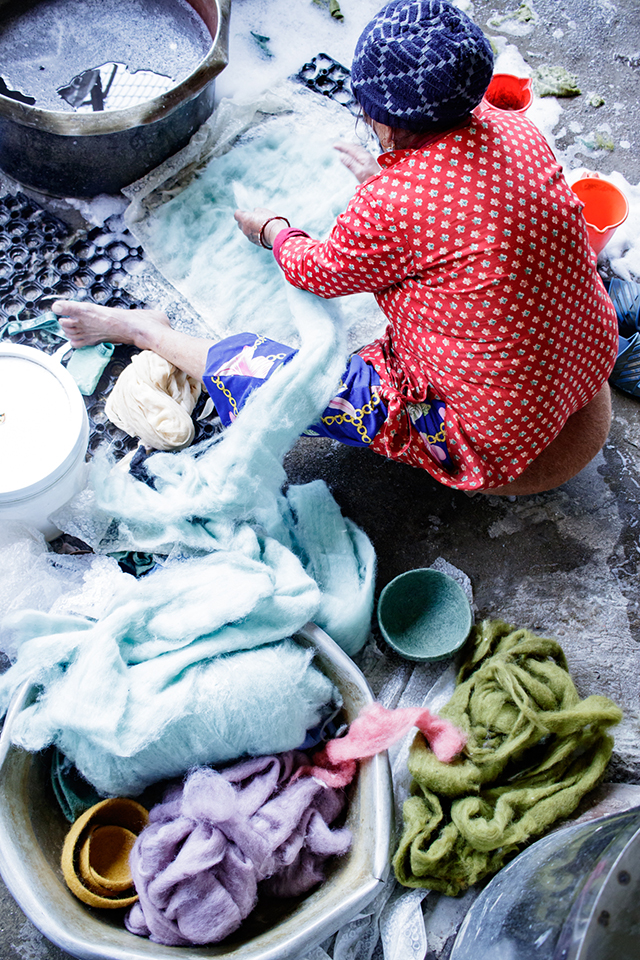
(97, 54)
(113, 87)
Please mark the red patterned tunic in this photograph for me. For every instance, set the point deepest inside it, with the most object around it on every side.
(476, 251)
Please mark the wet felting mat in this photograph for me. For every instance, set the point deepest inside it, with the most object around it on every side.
(534, 749)
(282, 158)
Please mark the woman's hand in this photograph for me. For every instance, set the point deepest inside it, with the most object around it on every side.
(361, 163)
(252, 222)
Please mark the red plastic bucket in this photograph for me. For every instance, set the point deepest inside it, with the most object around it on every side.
(506, 92)
(605, 208)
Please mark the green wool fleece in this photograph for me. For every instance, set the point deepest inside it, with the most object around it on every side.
(534, 749)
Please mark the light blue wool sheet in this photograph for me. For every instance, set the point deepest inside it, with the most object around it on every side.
(184, 669)
(284, 161)
(192, 664)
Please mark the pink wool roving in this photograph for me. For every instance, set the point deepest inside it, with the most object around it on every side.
(221, 837)
(375, 730)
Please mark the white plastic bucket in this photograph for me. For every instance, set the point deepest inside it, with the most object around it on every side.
(44, 432)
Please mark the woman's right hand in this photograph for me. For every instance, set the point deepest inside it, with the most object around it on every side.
(251, 222)
(355, 158)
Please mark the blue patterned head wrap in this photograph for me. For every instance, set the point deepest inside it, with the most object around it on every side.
(421, 64)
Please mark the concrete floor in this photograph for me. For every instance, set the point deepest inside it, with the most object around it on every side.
(563, 563)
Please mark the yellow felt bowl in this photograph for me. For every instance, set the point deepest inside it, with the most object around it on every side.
(95, 853)
(33, 831)
(104, 860)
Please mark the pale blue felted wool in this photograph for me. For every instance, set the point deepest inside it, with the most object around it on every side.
(286, 163)
(182, 670)
(204, 499)
(156, 687)
(339, 556)
(191, 665)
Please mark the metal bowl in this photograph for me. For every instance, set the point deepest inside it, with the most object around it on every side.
(32, 831)
(82, 154)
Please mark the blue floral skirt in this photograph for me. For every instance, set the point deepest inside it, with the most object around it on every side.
(238, 365)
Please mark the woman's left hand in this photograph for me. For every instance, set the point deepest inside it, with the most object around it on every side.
(252, 222)
(361, 163)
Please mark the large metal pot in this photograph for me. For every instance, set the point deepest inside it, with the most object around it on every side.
(66, 153)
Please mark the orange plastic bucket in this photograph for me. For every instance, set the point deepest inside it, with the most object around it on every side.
(506, 92)
(605, 208)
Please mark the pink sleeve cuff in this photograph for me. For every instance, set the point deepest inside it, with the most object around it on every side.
(282, 237)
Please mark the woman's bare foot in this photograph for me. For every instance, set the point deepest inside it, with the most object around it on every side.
(88, 323)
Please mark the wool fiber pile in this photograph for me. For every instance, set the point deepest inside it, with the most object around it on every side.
(534, 749)
(153, 400)
(193, 664)
(220, 838)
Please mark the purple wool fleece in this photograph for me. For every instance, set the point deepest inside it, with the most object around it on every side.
(213, 840)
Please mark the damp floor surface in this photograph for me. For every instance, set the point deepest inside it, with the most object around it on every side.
(563, 563)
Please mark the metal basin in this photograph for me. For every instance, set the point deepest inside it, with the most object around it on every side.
(32, 831)
(51, 52)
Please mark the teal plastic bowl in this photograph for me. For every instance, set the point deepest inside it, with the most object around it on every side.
(424, 615)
